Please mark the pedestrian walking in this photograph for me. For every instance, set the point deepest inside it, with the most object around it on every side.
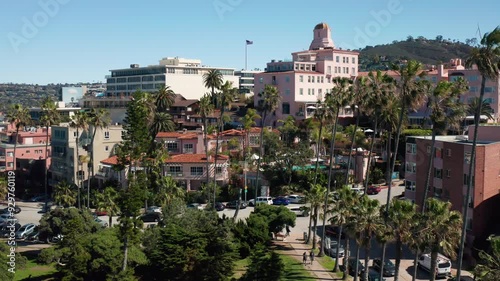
(311, 256)
(304, 258)
(287, 230)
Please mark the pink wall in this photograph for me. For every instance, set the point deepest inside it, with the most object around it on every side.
(485, 133)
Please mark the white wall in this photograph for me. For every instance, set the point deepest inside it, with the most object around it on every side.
(191, 86)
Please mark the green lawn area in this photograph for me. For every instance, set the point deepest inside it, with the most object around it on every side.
(240, 267)
(295, 270)
(37, 271)
(327, 262)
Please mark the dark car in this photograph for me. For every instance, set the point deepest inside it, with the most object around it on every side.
(151, 217)
(373, 190)
(219, 206)
(5, 232)
(281, 201)
(389, 268)
(16, 210)
(373, 275)
(233, 204)
(352, 267)
(332, 230)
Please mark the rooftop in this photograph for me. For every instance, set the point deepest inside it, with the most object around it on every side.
(454, 139)
(194, 158)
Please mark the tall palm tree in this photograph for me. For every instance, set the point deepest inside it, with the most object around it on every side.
(442, 230)
(79, 121)
(334, 101)
(169, 191)
(227, 94)
(487, 59)
(108, 201)
(205, 110)
(20, 117)
(378, 100)
(359, 93)
(249, 120)
(50, 116)
(98, 119)
(269, 101)
(314, 196)
(162, 122)
(368, 222)
(342, 210)
(213, 80)
(489, 268)
(400, 219)
(485, 107)
(164, 98)
(322, 115)
(64, 195)
(446, 112)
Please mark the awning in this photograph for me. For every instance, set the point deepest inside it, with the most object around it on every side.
(471, 117)
(368, 131)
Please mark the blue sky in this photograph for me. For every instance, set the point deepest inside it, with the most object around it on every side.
(81, 40)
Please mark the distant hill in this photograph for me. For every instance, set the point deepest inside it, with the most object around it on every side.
(427, 51)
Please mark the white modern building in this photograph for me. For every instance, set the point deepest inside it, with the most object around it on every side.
(247, 78)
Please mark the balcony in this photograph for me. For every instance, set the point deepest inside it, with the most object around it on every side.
(174, 175)
(3, 168)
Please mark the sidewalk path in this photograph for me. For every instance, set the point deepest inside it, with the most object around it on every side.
(294, 246)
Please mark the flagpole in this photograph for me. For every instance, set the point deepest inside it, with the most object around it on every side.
(246, 47)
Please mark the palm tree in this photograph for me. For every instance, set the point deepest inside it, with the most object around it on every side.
(489, 269)
(20, 117)
(334, 101)
(322, 115)
(98, 119)
(165, 98)
(487, 59)
(368, 223)
(205, 109)
(162, 122)
(344, 201)
(64, 195)
(314, 197)
(269, 101)
(213, 80)
(446, 112)
(441, 231)
(168, 191)
(107, 201)
(378, 100)
(50, 116)
(485, 108)
(400, 218)
(357, 102)
(248, 122)
(79, 121)
(226, 96)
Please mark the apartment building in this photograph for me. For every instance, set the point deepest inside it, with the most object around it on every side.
(307, 78)
(30, 146)
(65, 110)
(247, 81)
(450, 175)
(65, 163)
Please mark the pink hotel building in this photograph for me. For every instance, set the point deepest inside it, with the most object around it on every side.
(308, 77)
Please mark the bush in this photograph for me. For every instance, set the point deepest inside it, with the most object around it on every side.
(264, 265)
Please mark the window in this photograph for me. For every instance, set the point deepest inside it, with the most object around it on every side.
(285, 108)
(343, 59)
(106, 148)
(448, 152)
(11, 164)
(437, 153)
(438, 173)
(411, 167)
(438, 192)
(106, 135)
(347, 70)
(472, 78)
(312, 92)
(287, 78)
(188, 148)
(473, 89)
(488, 100)
(218, 170)
(353, 70)
(10, 154)
(322, 79)
(489, 89)
(313, 78)
(337, 59)
(254, 140)
(175, 169)
(335, 69)
(301, 91)
(328, 70)
(301, 78)
(410, 185)
(172, 147)
(447, 173)
(261, 80)
(74, 134)
(309, 92)
(196, 171)
(353, 60)
(309, 79)
(467, 157)
(428, 149)
(411, 148)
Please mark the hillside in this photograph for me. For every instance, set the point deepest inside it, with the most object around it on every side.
(430, 52)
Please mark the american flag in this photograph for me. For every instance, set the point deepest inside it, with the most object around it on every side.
(249, 42)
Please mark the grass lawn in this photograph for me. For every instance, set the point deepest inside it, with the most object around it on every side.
(327, 262)
(240, 267)
(38, 272)
(295, 270)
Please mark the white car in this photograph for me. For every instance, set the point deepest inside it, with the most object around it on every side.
(296, 199)
(25, 230)
(443, 266)
(299, 211)
(261, 200)
(153, 209)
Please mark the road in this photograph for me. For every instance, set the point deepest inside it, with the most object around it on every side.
(29, 214)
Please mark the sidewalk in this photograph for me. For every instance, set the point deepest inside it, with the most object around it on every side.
(295, 247)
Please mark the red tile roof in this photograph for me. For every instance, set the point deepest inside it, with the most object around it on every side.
(113, 160)
(233, 132)
(181, 135)
(194, 158)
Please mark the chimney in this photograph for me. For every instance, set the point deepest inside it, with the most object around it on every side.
(184, 131)
(441, 70)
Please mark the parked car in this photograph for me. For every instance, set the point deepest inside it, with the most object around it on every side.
(5, 232)
(352, 267)
(281, 201)
(100, 213)
(234, 203)
(195, 206)
(261, 200)
(389, 268)
(296, 199)
(25, 230)
(6, 219)
(151, 217)
(331, 248)
(332, 230)
(300, 211)
(219, 206)
(33, 236)
(101, 222)
(373, 190)
(153, 209)
(39, 198)
(374, 275)
(443, 268)
(16, 210)
(359, 190)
